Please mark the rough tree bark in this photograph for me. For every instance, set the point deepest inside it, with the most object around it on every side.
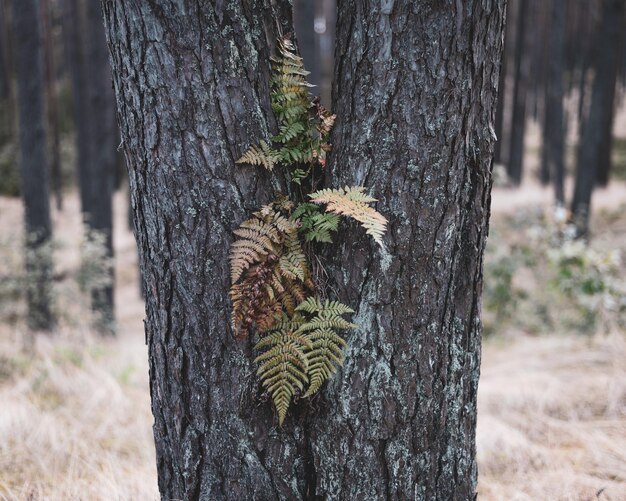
(416, 90)
(33, 167)
(592, 157)
(415, 95)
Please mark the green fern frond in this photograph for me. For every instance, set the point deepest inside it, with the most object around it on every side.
(326, 351)
(289, 131)
(283, 365)
(326, 308)
(324, 357)
(353, 202)
(260, 155)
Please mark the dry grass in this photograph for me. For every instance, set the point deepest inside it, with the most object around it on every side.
(552, 419)
(75, 419)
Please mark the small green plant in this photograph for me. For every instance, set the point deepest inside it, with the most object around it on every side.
(273, 291)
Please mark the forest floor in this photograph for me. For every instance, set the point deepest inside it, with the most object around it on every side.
(75, 419)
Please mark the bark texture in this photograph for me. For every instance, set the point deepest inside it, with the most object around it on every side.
(191, 80)
(33, 167)
(416, 93)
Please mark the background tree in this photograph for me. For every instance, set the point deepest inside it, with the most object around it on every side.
(95, 133)
(192, 93)
(520, 89)
(553, 164)
(102, 160)
(52, 103)
(33, 166)
(593, 156)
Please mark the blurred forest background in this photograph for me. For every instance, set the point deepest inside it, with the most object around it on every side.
(75, 418)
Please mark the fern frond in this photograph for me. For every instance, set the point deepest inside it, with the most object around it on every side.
(269, 270)
(353, 202)
(324, 357)
(326, 346)
(283, 365)
(293, 263)
(333, 308)
(289, 131)
(260, 155)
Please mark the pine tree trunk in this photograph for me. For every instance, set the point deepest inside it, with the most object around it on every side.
(592, 159)
(554, 127)
(51, 101)
(73, 43)
(33, 167)
(100, 106)
(416, 92)
(520, 90)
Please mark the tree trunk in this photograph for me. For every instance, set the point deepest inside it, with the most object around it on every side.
(591, 157)
(51, 101)
(416, 92)
(520, 90)
(102, 151)
(554, 129)
(33, 168)
(610, 77)
(73, 42)
(415, 111)
(7, 99)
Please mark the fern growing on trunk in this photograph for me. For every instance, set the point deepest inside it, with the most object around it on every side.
(272, 291)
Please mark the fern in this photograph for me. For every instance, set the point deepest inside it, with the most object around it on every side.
(326, 346)
(315, 225)
(269, 272)
(272, 288)
(353, 202)
(303, 125)
(283, 365)
(260, 155)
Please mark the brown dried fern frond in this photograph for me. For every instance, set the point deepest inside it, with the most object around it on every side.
(269, 271)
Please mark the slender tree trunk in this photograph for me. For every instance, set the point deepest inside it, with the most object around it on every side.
(554, 129)
(520, 90)
(7, 98)
(5, 80)
(416, 92)
(73, 42)
(609, 86)
(33, 168)
(102, 151)
(51, 101)
(600, 118)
